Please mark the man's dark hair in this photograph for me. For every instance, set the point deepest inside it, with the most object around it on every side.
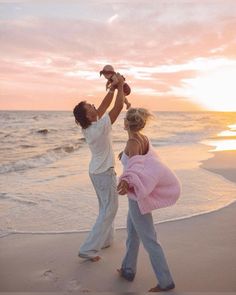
(80, 115)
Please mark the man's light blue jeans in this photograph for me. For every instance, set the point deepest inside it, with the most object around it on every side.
(102, 233)
(141, 227)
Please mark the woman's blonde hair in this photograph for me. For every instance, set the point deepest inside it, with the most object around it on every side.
(137, 118)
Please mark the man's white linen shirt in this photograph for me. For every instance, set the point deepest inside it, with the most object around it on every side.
(99, 140)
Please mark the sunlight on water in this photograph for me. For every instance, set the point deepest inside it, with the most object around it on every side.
(45, 175)
(226, 140)
(232, 127)
(222, 145)
(226, 133)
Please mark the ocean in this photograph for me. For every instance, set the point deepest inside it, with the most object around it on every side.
(44, 182)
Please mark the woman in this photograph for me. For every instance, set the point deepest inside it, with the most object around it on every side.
(149, 185)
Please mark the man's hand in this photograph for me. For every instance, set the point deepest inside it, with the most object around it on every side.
(114, 80)
(108, 84)
(123, 187)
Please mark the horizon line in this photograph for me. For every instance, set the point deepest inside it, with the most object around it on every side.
(160, 111)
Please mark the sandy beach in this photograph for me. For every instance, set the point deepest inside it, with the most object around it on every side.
(200, 252)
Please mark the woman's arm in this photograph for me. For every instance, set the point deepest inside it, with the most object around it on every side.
(131, 149)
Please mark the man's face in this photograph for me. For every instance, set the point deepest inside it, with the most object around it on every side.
(91, 112)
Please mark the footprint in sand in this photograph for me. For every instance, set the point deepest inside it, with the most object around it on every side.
(49, 275)
(74, 285)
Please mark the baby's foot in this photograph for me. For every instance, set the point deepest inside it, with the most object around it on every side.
(128, 105)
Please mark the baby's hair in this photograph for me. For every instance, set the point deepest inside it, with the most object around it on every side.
(137, 118)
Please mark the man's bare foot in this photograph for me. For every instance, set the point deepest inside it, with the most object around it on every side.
(95, 259)
(87, 257)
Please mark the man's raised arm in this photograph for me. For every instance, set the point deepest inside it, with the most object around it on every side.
(106, 102)
(119, 102)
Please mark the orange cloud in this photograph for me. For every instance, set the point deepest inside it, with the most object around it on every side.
(52, 53)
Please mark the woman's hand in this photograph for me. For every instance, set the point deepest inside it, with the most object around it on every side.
(123, 187)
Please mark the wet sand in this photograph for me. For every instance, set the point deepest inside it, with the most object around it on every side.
(200, 251)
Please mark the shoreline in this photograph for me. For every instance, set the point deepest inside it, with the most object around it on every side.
(117, 228)
(199, 250)
(221, 164)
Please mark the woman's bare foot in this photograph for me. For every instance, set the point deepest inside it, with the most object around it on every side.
(126, 274)
(159, 289)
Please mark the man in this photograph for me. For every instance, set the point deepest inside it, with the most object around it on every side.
(96, 128)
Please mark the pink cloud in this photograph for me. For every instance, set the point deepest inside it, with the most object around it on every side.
(44, 57)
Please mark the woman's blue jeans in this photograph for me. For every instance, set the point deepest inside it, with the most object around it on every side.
(141, 227)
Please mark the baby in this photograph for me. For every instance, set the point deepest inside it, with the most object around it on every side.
(110, 74)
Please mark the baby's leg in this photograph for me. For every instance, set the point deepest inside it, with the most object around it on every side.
(128, 104)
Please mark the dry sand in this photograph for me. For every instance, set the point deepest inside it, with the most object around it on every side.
(201, 252)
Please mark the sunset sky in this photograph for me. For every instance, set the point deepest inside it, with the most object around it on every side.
(177, 55)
